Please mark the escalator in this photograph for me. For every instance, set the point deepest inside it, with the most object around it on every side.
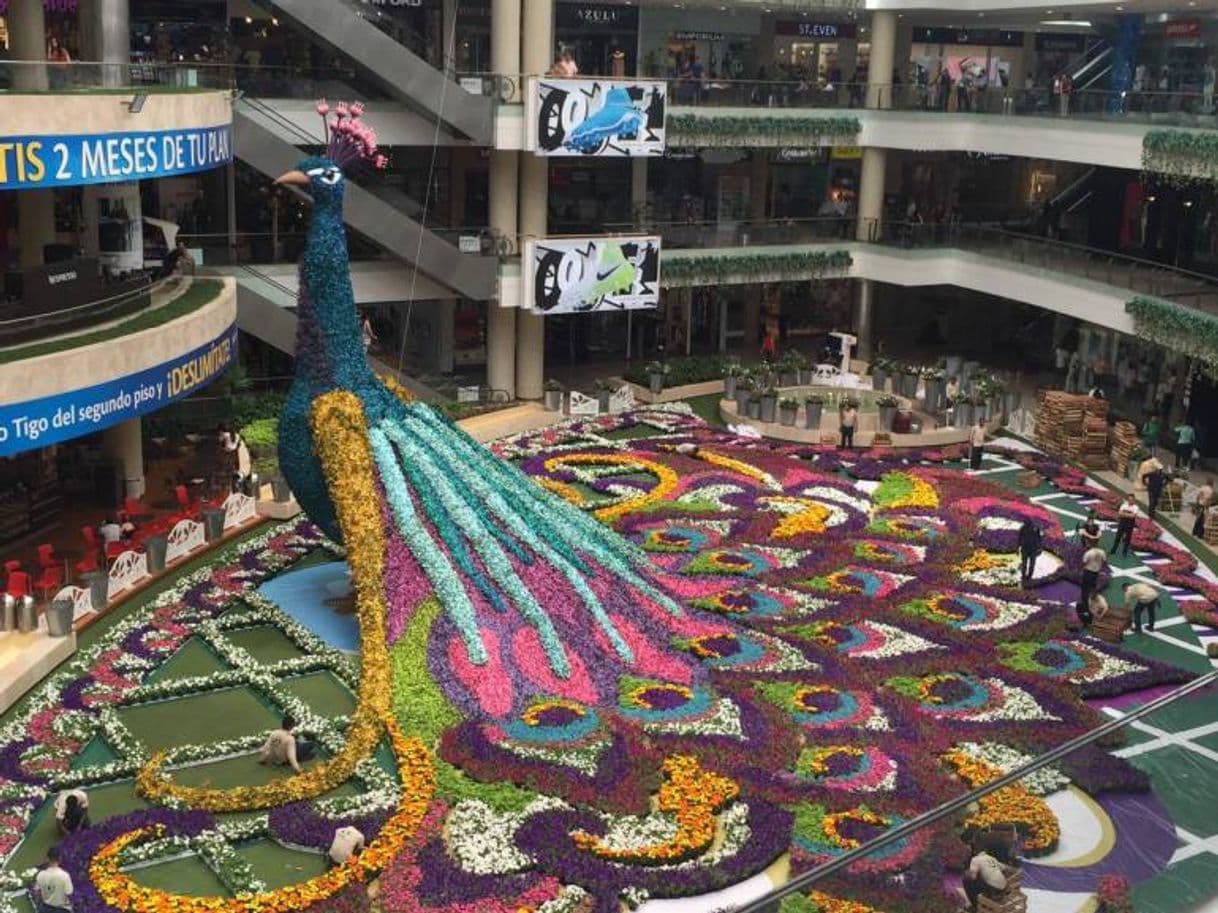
(1093, 65)
(352, 29)
(381, 216)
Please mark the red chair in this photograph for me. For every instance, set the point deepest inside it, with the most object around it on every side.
(89, 565)
(114, 549)
(10, 566)
(18, 585)
(46, 555)
(50, 582)
(187, 507)
(90, 537)
(136, 509)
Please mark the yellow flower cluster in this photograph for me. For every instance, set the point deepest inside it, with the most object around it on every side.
(826, 904)
(340, 435)
(417, 775)
(921, 494)
(567, 492)
(817, 757)
(926, 687)
(692, 795)
(980, 560)
(725, 462)
(803, 516)
(1012, 805)
(862, 814)
(668, 479)
(396, 388)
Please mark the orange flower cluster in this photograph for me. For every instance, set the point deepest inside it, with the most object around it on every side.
(861, 814)
(1013, 805)
(823, 903)
(805, 516)
(340, 435)
(980, 560)
(668, 480)
(692, 795)
(417, 775)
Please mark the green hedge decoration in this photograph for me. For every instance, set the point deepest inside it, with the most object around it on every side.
(762, 130)
(1175, 326)
(1187, 155)
(746, 267)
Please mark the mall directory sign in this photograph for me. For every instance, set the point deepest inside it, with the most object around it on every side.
(38, 423)
(587, 275)
(605, 117)
(33, 162)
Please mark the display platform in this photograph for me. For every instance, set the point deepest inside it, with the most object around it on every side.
(25, 659)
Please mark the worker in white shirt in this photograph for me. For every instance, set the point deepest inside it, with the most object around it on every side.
(347, 842)
(976, 445)
(1202, 503)
(53, 886)
(1127, 517)
(1141, 598)
(1093, 563)
(283, 746)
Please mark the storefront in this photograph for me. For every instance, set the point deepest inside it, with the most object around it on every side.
(724, 46)
(594, 33)
(816, 49)
(1053, 55)
(974, 58)
(1177, 56)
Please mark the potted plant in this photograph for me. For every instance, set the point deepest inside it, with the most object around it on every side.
(553, 395)
(603, 390)
(881, 367)
(769, 405)
(1113, 894)
(1136, 455)
(962, 411)
(935, 382)
(788, 408)
(791, 367)
(980, 408)
(657, 371)
(731, 377)
(887, 405)
(754, 407)
(814, 405)
(744, 387)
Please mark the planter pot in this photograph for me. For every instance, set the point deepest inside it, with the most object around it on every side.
(656, 382)
(59, 618)
(805, 377)
(980, 413)
(742, 402)
(934, 394)
(787, 416)
(953, 365)
(812, 415)
(1011, 403)
(729, 387)
(554, 400)
(887, 414)
(911, 385)
(769, 408)
(788, 379)
(602, 400)
(964, 415)
(754, 409)
(155, 548)
(281, 490)
(879, 379)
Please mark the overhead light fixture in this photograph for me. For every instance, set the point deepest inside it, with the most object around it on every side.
(1067, 23)
(136, 105)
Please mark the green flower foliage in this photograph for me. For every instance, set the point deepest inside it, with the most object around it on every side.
(1187, 155)
(748, 266)
(760, 130)
(1175, 326)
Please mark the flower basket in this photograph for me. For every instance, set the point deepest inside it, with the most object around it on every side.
(879, 379)
(788, 409)
(655, 382)
(769, 406)
(888, 415)
(742, 400)
(754, 406)
(729, 386)
(553, 400)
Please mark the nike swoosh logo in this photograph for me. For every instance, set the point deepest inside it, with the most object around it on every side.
(601, 277)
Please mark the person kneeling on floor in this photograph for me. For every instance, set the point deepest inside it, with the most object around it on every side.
(348, 842)
(283, 746)
(985, 876)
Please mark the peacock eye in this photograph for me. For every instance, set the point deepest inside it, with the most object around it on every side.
(331, 176)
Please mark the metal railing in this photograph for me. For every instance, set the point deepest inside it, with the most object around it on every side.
(96, 76)
(952, 808)
(24, 329)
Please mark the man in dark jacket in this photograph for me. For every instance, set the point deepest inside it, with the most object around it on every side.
(1155, 482)
(1030, 541)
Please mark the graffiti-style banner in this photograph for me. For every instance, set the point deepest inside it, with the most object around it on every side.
(607, 117)
(587, 275)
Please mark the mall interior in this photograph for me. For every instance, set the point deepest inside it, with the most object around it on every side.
(979, 202)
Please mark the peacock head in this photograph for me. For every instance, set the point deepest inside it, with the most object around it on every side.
(318, 175)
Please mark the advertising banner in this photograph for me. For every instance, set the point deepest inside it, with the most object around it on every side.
(596, 117)
(32, 162)
(585, 275)
(41, 422)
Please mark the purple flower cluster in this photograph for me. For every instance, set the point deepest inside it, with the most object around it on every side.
(300, 823)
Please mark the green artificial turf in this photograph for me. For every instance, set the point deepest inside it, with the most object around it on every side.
(323, 692)
(193, 658)
(266, 644)
(104, 801)
(280, 866)
(200, 292)
(189, 875)
(196, 719)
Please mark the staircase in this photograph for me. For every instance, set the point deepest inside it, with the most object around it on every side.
(370, 214)
(403, 74)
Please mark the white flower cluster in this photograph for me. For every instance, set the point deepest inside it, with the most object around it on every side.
(1043, 782)
(483, 840)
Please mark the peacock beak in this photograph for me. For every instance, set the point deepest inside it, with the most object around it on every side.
(294, 177)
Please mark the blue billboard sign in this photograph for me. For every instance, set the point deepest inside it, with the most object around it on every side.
(31, 162)
(53, 419)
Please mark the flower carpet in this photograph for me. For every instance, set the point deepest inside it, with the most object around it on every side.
(852, 647)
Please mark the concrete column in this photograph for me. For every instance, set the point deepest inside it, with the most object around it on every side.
(537, 51)
(638, 187)
(105, 32)
(530, 327)
(125, 444)
(35, 223)
(505, 44)
(752, 318)
(27, 35)
(883, 56)
(871, 193)
(501, 321)
(759, 174)
(446, 325)
(863, 318)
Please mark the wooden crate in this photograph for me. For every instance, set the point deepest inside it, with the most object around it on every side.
(1013, 901)
(1211, 527)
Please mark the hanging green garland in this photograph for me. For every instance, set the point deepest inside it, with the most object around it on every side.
(1174, 326)
(1185, 155)
(746, 267)
(763, 130)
